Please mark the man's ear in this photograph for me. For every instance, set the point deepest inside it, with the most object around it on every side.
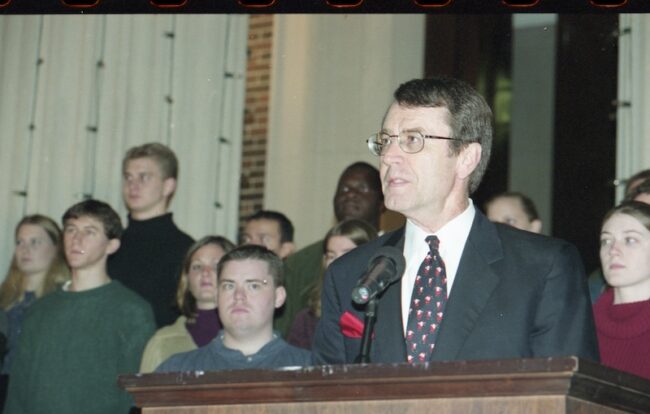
(280, 296)
(286, 249)
(169, 186)
(113, 246)
(468, 159)
(536, 226)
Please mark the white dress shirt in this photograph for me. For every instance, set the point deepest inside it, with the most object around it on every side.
(452, 236)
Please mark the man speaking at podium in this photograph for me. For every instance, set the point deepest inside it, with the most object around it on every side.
(471, 289)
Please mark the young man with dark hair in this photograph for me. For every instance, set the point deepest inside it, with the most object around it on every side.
(77, 340)
(153, 248)
(270, 229)
(250, 288)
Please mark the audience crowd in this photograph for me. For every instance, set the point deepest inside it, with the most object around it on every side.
(94, 300)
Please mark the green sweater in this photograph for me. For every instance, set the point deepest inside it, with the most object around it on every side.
(72, 348)
(301, 271)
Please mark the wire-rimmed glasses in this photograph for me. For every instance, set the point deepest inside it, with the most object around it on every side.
(410, 142)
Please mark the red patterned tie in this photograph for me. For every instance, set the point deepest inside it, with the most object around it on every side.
(427, 305)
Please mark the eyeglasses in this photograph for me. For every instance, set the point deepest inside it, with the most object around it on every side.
(409, 141)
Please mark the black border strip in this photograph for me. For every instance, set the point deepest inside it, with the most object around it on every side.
(322, 6)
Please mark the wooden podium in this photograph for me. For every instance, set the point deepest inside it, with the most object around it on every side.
(553, 385)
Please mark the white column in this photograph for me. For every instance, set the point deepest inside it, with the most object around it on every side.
(633, 121)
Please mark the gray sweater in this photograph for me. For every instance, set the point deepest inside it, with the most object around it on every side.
(215, 356)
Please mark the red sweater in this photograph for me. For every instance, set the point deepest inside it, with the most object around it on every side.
(624, 334)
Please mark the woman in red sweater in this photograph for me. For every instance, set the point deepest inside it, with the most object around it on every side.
(622, 313)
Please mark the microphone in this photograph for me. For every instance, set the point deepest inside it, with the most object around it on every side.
(384, 267)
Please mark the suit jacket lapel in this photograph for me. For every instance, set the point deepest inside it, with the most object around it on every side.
(473, 285)
(389, 338)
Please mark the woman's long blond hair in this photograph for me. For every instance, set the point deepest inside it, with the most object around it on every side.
(12, 289)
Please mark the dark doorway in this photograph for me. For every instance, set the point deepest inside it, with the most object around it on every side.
(478, 48)
(585, 129)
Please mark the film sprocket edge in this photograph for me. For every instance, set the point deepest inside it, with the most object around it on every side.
(322, 6)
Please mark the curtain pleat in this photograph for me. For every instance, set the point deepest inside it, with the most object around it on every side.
(77, 91)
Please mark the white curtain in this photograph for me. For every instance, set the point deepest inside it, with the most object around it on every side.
(77, 91)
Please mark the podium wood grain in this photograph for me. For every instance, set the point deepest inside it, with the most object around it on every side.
(553, 385)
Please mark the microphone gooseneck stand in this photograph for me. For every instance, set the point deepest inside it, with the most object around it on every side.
(368, 327)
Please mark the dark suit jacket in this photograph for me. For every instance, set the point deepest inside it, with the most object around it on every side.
(516, 295)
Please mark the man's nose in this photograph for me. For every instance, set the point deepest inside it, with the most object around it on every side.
(392, 149)
(76, 237)
(351, 193)
(240, 292)
(392, 155)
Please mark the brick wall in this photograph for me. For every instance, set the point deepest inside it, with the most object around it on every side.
(258, 72)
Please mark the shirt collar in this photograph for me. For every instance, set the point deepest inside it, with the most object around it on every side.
(452, 236)
(453, 233)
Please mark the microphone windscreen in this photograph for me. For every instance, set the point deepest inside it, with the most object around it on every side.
(395, 255)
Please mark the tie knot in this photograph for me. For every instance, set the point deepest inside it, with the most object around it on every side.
(433, 242)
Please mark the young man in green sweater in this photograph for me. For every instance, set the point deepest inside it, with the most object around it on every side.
(77, 340)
